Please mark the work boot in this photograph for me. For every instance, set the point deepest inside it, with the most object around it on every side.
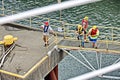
(45, 45)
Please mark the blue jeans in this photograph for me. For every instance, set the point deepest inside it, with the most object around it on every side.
(92, 40)
(81, 37)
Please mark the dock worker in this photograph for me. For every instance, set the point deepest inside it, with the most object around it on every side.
(85, 26)
(80, 34)
(93, 36)
(46, 31)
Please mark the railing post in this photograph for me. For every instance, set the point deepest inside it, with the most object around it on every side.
(12, 12)
(30, 21)
(3, 7)
(107, 43)
(56, 38)
(63, 23)
(112, 34)
(60, 14)
(59, 1)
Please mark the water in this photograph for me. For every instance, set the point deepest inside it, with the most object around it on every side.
(104, 13)
(69, 67)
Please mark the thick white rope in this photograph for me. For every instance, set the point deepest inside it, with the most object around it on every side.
(44, 10)
(97, 72)
(78, 60)
(110, 77)
(117, 60)
(86, 60)
(97, 60)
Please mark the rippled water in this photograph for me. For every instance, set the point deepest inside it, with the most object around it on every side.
(104, 13)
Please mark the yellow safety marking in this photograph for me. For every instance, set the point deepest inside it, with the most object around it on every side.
(90, 49)
(28, 73)
(68, 47)
(35, 66)
(99, 41)
(12, 74)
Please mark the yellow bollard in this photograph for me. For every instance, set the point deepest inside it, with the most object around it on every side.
(8, 40)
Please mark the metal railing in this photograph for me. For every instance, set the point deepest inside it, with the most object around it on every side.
(67, 30)
(106, 33)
